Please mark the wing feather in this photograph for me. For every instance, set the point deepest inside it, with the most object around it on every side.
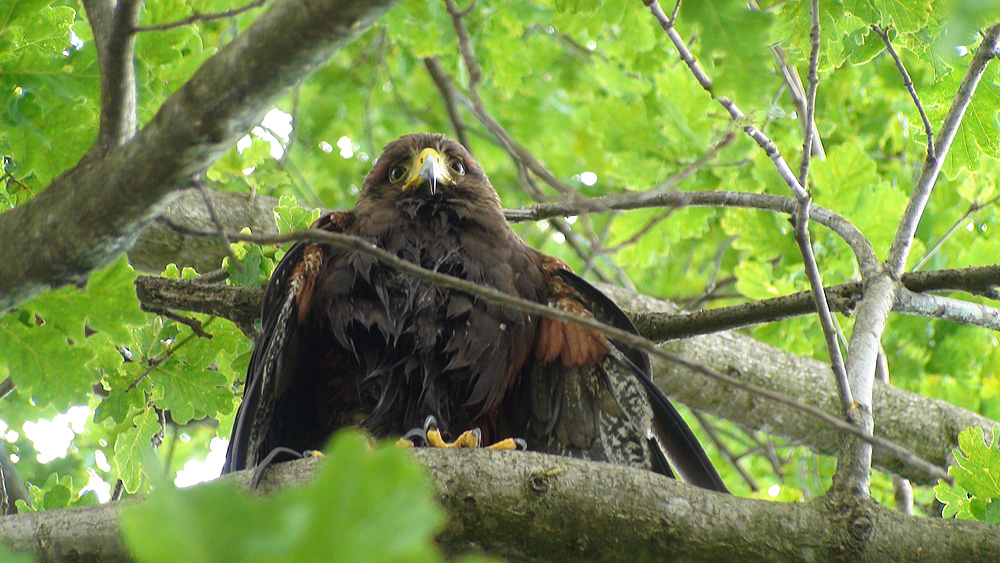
(277, 331)
(287, 301)
(671, 439)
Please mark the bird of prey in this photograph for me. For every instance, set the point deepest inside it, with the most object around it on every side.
(348, 341)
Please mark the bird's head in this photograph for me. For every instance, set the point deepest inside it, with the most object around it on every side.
(423, 166)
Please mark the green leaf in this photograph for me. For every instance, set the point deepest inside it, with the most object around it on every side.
(108, 304)
(11, 557)
(901, 14)
(363, 505)
(290, 217)
(740, 35)
(979, 132)
(190, 391)
(977, 478)
(133, 448)
(43, 363)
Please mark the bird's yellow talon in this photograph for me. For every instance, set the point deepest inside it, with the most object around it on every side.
(404, 443)
(505, 444)
(468, 439)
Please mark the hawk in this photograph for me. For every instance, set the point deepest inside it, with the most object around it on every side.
(348, 341)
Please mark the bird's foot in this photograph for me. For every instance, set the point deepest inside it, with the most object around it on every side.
(509, 444)
(431, 437)
(277, 455)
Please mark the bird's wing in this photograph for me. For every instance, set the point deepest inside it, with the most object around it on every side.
(272, 365)
(622, 375)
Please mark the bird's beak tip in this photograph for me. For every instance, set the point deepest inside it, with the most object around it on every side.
(429, 168)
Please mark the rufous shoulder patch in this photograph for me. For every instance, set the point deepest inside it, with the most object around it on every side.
(304, 278)
(573, 344)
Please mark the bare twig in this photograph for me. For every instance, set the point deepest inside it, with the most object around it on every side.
(797, 185)
(802, 237)
(903, 241)
(674, 180)
(706, 425)
(198, 17)
(155, 362)
(734, 111)
(447, 91)
(220, 230)
(194, 324)
(908, 83)
(810, 102)
(862, 248)
(521, 156)
(974, 208)
(490, 295)
(798, 95)
(867, 265)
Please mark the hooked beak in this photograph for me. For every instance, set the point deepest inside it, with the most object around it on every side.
(428, 168)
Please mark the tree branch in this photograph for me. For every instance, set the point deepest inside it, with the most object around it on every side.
(908, 83)
(903, 240)
(199, 17)
(945, 308)
(238, 304)
(507, 503)
(447, 91)
(111, 22)
(842, 227)
(94, 211)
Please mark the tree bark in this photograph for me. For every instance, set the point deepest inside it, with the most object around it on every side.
(533, 507)
(97, 209)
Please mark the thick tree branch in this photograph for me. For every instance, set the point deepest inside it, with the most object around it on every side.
(926, 426)
(842, 298)
(242, 305)
(238, 304)
(510, 503)
(94, 211)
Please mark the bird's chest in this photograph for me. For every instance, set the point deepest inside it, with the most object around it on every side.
(423, 348)
(365, 296)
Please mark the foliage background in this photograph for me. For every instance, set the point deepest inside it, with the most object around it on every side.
(586, 86)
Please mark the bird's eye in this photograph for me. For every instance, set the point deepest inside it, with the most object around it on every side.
(457, 167)
(396, 173)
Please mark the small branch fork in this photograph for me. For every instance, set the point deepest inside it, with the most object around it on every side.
(797, 185)
(903, 241)
(528, 167)
(853, 470)
(802, 237)
(490, 295)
